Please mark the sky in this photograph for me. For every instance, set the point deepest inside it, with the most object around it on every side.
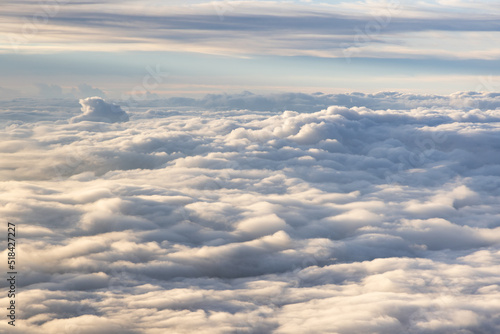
(257, 167)
(261, 46)
(343, 213)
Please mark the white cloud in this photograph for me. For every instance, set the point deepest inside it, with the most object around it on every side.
(378, 214)
(85, 90)
(353, 29)
(95, 109)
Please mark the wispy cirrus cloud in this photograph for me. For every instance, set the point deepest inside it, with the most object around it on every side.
(374, 29)
(227, 45)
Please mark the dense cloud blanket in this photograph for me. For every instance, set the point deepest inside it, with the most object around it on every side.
(341, 220)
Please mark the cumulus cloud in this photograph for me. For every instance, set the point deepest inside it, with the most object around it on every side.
(315, 102)
(84, 90)
(376, 217)
(49, 91)
(57, 92)
(96, 109)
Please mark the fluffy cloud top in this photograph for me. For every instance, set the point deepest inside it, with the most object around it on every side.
(348, 219)
(95, 109)
(315, 102)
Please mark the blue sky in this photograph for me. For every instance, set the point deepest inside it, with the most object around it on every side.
(231, 46)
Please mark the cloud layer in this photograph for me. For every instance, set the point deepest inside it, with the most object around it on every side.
(245, 28)
(375, 215)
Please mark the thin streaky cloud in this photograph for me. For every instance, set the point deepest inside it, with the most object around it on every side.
(198, 28)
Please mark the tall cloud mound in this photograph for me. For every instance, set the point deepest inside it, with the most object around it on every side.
(96, 109)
